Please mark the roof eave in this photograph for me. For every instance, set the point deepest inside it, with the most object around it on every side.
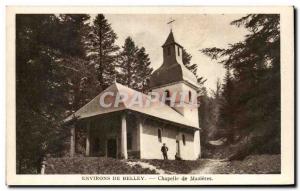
(127, 109)
(168, 121)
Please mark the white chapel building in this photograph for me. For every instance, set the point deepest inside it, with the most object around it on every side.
(131, 131)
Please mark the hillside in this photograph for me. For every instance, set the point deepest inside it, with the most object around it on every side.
(254, 164)
(92, 165)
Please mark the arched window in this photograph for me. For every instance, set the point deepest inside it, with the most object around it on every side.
(183, 139)
(159, 135)
(167, 97)
(190, 96)
(178, 49)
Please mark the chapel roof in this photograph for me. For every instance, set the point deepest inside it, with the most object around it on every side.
(170, 40)
(157, 110)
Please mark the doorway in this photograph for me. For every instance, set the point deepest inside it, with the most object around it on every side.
(112, 148)
(97, 147)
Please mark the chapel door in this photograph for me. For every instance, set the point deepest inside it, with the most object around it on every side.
(112, 148)
(96, 147)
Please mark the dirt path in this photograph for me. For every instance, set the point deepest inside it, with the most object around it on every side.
(149, 166)
(210, 167)
(253, 164)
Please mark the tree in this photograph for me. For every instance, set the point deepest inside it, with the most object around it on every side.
(42, 88)
(144, 70)
(186, 59)
(134, 66)
(227, 109)
(255, 63)
(79, 74)
(208, 113)
(204, 114)
(102, 51)
(36, 82)
(70, 33)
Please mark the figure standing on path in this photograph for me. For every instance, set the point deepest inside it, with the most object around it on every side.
(164, 150)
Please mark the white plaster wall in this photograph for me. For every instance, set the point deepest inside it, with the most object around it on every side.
(190, 113)
(197, 147)
(150, 145)
(187, 151)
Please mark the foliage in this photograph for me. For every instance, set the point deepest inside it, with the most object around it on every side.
(42, 84)
(92, 165)
(186, 59)
(102, 51)
(251, 98)
(134, 66)
(62, 62)
(227, 106)
(209, 112)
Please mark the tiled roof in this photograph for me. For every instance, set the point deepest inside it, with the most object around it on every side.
(155, 109)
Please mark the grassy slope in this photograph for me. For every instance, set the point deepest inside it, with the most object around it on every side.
(255, 164)
(92, 165)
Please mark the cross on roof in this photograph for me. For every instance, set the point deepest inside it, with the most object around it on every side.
(171, 22)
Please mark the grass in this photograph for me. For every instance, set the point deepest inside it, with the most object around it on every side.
(254, 164)
(92, 165)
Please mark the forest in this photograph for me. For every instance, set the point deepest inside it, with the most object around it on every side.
(63, 61)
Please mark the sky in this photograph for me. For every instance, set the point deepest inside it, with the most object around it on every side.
(194, 32)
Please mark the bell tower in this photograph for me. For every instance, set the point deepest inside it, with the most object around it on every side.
(175, 82)
(172, 51)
